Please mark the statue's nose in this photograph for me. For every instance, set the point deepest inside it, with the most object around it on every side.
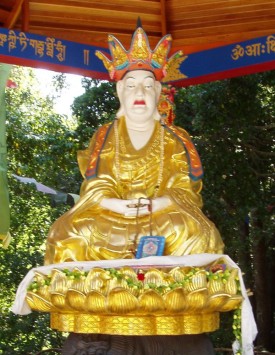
(139, 90)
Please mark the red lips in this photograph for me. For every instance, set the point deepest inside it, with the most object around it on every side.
(139, 102)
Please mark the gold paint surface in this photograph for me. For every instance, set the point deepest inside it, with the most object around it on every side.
(89, 232)
(134, 324)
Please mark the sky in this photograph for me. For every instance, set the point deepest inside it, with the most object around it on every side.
(74, 89)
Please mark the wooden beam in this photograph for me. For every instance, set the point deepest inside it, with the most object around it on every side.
(92, 24)
(135, 6)
(25, 16)
(163, 17)
(14, 14)
(226, 29)
(3, 15)
(222, 39)
(215, 4)
(89, 37)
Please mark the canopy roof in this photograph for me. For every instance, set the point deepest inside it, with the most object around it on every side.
(194, 24)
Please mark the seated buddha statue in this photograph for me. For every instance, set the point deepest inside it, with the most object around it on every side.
(141, 175)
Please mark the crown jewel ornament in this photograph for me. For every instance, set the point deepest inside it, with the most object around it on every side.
(141, 57)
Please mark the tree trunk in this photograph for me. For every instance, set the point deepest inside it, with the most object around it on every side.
(244, 254)
(261, 290)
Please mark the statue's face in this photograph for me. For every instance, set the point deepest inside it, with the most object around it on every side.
(139, 92)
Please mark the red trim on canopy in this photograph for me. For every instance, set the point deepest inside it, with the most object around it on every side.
(55, 67)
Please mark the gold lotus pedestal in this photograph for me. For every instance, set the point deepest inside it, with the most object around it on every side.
(130, 301)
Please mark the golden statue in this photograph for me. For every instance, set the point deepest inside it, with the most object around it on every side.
(136, 156)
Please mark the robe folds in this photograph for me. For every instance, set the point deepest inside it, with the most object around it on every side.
(90, 232)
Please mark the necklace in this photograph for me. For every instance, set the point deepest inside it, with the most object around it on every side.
(161, 157)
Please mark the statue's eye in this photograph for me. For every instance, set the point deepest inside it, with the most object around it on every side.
(130, 86)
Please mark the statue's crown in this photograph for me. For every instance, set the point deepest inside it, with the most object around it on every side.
(141, 57)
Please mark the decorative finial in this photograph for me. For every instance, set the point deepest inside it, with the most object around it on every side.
(139, 24)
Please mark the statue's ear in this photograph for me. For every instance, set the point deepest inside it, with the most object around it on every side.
(158, 87)
(119, 87)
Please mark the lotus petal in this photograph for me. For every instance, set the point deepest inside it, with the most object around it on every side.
(232, 303)
(58, 300)
(215, 302)
(37, 303)
(154, 276)
(197, 282)
(95, 302)
(76, 299)
(78, 285)
(128, 271)
(231, 286)
(177, 274)
(196, 300)
(39, 277)
(216, 286)
(44, 292)
(59, 282)
(120, 300)
(94, 284)
(151, 301)
(175, 300)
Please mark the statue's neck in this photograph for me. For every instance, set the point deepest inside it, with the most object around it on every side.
(147, 126)
(140, 133)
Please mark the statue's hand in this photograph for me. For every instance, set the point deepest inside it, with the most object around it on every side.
(126, 207)
(160, 203)
(129, 207)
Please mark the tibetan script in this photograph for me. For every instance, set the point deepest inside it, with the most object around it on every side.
(49, 47)
(255, 49)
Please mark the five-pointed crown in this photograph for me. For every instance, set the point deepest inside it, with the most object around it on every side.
(141, 57)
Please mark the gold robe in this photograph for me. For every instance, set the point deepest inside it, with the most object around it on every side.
(90, 232)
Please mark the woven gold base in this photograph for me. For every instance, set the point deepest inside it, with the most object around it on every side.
(176, 324)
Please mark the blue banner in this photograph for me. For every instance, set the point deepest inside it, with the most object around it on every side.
(243, 57)
(47, 52)
(33, 50)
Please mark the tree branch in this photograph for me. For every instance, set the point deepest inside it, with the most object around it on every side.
(58, 350)
(261, 174)
(259, 152)
(266, 127)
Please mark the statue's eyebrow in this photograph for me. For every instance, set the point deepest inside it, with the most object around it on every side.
(146, 77)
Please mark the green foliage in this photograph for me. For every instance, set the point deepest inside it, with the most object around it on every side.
(38, 135)
(232, 124)
(41, 146)
(95, 107)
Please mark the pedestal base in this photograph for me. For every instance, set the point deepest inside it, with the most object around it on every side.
(174, 324)
(78, 344)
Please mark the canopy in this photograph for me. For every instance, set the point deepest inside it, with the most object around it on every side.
(195, 25)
